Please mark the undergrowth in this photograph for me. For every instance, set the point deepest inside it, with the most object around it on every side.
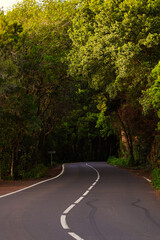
(36, 172)
(156, 178)
(118, 161)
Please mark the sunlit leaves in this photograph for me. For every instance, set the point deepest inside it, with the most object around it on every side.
(151, 97)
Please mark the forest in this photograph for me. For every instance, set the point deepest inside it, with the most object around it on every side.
(81, 78)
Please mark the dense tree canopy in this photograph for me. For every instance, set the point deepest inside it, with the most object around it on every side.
(35, 87)
(116, 46)
(82, 76)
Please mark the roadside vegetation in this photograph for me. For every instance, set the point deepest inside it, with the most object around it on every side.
(81, 78)
(156, 178)
(118, 161)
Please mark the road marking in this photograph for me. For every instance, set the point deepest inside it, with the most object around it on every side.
(75, 236)
(78, 200)
(33, 185)
(84, 194)
(90, 188)
(96, 172)
(64, 215)
(63, 222)
(148, 180)
(69, 209)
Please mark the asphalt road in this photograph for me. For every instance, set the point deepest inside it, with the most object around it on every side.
(87, 202)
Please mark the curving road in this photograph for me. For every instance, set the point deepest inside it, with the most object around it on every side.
(91, 201)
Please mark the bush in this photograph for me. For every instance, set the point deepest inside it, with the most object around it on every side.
(156, 178)
(118, 161)
(38, 171)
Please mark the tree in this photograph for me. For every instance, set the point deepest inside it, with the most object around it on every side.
(115, 46)
(33, 40)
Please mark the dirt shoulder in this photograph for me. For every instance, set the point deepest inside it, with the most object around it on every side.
(141, 173)
(11, 186)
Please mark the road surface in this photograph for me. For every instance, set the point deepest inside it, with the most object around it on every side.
(91, 201)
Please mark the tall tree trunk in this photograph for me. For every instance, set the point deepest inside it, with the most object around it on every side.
(12, 160)
(128, 137)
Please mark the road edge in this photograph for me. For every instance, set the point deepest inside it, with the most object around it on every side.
(34, 185)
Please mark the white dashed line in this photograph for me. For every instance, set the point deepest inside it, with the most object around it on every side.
(63, 222)
(78, 200)
(64, 215)
(75, 236)
(148, 180)
(69, 209)
(33, 185)
(90, 188)
(84, 194)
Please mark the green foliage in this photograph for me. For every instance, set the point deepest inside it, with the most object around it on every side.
(151, 97)
(115, 48)
(37, 171)
(74, 74)
(156, 178)
(118, 161)
(121, 47)
(34, 85)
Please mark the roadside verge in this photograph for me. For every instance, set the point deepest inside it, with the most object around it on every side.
(7, 187)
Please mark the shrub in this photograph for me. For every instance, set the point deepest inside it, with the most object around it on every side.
(118, 161)
(38, 171)
(156, 178)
